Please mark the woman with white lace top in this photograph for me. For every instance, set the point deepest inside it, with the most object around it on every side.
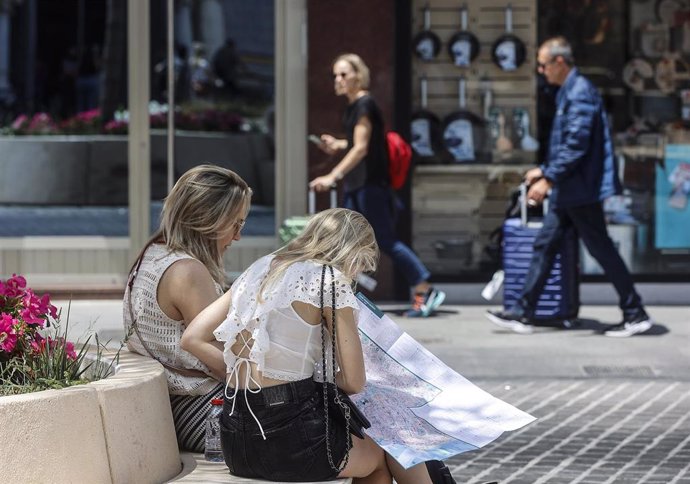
(177, 274)
(274, 418)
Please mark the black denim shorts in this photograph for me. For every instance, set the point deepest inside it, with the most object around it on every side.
(292, 417)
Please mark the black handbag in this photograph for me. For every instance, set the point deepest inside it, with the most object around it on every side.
(358, 421)
(336, 402)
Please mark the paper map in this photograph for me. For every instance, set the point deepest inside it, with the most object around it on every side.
(419, 408)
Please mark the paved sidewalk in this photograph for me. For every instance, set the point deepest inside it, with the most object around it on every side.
(609, 410)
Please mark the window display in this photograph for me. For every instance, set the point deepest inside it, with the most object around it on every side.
(638, 55)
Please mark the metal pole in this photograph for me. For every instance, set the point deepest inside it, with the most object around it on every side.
(81, 24)
(30, 67)
(139, 146)
(171, 94)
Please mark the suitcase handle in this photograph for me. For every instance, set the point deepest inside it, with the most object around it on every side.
(333, 199)
(523, 204)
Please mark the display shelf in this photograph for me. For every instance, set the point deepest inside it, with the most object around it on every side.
(455, 210)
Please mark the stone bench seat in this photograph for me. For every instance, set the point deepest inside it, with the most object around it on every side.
(111, 431)
(195, 469)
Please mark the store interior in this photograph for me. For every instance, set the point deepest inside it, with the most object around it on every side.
(482, 116)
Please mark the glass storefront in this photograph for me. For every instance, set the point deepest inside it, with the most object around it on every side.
(636, 52)
(64, 109)
(638, 55)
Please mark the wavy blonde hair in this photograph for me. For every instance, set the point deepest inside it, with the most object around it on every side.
(338, 237)
(358, 65)
(203, 207)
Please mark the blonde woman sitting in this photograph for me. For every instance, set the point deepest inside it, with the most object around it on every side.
(269, 327)
(177, 274)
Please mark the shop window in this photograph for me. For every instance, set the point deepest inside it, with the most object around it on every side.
(63, 116)
(638, 55)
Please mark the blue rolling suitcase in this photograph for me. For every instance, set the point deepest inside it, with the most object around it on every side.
(560, 298)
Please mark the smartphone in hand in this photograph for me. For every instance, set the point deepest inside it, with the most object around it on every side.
(315, 139)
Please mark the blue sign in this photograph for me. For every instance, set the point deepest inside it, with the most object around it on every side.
(672, 193)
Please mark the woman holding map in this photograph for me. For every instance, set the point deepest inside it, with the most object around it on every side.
(272, 326)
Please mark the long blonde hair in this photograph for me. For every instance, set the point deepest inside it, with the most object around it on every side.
(338, 237)
(199, 210)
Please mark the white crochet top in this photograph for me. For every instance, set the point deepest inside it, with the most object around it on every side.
(161, 333)
(283, 345)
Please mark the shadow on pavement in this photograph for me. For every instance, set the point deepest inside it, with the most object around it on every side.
(596, 326)
(439, 312)
(655, 330)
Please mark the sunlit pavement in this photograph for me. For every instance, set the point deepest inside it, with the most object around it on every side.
(610, 410)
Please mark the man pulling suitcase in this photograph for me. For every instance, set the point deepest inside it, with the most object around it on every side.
(580, 172)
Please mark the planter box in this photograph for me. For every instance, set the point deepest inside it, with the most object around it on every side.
(92, 170)
(36, 171)
(119, 429)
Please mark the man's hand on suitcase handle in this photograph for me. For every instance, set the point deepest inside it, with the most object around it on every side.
(538, 191)
(539, 186)
(533, 175)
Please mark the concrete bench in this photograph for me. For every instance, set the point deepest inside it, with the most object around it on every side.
(197, 470)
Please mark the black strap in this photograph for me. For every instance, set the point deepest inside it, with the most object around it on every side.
(336, 396)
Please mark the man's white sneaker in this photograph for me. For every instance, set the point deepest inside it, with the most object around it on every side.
(639, 324)
(517, 324)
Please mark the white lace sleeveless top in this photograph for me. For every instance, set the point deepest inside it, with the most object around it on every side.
(284, 346)
(161, 333)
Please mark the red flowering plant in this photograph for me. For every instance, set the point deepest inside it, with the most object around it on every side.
(34, 354)
(86, 122)
(189, 117)
(39, 123)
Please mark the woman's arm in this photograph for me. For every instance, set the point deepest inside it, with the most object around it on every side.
(199, 340)
(360, 147)
(331, 144)
(352, 375)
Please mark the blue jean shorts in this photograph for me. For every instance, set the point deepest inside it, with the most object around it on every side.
(292, 417)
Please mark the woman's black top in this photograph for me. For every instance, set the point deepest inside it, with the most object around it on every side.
(373, 168)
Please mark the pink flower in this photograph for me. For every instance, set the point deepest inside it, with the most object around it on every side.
(38, 343)
(69, 349)
(14, 286)
(20, 122)
(87, 116)
(8, 338)
(47, 307)
(42, 123)
(31, 318)
(35, 309)
(116, 127)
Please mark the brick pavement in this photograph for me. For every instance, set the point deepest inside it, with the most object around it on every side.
(588, 431)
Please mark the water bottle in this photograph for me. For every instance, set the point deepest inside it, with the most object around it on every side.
(212, 451)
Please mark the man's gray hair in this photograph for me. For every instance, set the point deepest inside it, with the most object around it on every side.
(559, 46)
